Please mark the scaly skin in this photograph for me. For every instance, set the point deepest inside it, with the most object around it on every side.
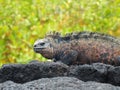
(80, 48)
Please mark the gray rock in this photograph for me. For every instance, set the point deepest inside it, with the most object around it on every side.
(57, 83)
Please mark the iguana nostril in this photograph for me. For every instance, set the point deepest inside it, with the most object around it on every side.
(35, 46)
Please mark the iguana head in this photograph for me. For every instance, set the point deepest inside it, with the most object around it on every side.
(48, 46)
(44, 47)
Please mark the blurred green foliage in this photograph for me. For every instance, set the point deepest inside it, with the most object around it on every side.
(24, 21)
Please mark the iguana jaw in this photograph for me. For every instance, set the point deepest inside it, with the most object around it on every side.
(44, 47)
(45, 52)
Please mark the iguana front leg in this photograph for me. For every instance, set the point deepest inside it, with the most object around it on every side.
(67, 57)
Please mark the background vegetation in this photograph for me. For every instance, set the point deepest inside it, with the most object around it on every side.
(24, 21)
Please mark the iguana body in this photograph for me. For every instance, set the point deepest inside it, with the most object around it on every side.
(80, 48)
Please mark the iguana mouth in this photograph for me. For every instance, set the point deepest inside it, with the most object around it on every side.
(37, 49)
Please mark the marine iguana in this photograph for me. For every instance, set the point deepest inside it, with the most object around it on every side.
(80, 48)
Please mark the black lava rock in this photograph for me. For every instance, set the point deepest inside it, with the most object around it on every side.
(21, 73)
(25, 73)
(114, 76)
(95, 72)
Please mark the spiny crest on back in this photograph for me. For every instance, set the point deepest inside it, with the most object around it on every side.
(82, 35)
(94, 35)
(53, 34)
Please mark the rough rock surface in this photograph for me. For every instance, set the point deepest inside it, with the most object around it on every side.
(114, 75)
(57, 83)
(46, 73)
(95, 72)
(21, 73)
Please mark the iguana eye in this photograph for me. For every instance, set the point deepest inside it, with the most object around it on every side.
(42, 44)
